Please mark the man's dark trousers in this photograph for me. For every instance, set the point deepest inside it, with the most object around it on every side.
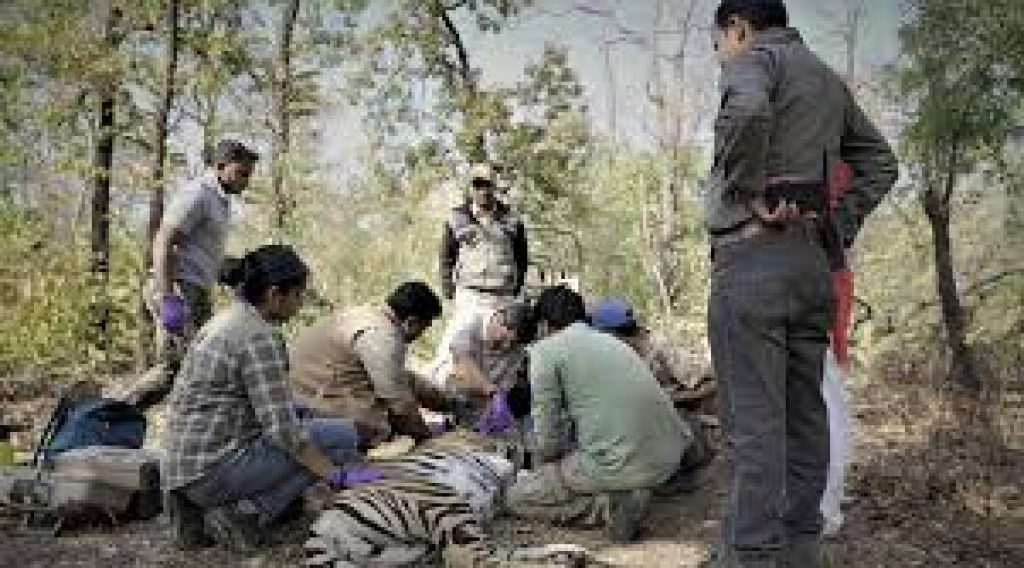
(768, 318)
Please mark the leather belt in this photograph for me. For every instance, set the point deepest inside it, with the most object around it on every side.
(749, 228)
(754, 227)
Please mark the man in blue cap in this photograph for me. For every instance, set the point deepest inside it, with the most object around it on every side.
(687, 379)
(688, 383)
(484, 255)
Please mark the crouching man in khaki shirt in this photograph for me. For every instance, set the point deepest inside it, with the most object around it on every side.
(352, 364)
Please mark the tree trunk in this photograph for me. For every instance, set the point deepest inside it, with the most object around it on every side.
(478, 151)
(853, 15)
(669, 119)
(208, 124)
(936, 207)
(282, 95)
(156, 201)
(103, 158)
(609, 71)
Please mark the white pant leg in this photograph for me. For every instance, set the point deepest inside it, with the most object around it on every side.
(839, 445)
(470, 306)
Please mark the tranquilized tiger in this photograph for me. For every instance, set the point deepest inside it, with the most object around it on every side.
(432, 507)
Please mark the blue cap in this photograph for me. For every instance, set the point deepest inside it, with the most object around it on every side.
(612, 313)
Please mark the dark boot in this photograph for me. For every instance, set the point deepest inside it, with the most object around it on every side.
(294, 512)
(690, 475)
(186, 522)
(626, 513)
(233, 528)
(803, 554)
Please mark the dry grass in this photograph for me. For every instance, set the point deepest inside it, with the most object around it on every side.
(933, 484)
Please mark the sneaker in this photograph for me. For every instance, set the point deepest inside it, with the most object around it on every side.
(698, 453)
(186, 522)
(295, 511)
(626, 513)
(234, 529)
(683, 482)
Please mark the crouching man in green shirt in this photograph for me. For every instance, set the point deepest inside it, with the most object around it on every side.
(628, 436)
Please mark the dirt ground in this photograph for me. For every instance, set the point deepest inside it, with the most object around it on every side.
(676, 535)
(927, 487)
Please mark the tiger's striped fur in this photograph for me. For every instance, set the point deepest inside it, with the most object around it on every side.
(430, 500)
(432, 507)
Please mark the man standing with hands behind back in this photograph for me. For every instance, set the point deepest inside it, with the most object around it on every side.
(188, 251)
(785, 120)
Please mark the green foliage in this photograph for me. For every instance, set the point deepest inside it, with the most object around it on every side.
(544, 140)
(45, 299)
(959, 82)
(961, 73)
(623, 199)
(895, 276)
(52, 62)
(408, 73)
(424, 106)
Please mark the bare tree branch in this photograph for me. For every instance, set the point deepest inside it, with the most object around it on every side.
(460, 48)
(281, 96)
(972, 289)
(452, 6)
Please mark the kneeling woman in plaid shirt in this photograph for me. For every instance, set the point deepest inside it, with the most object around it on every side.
(237, 455)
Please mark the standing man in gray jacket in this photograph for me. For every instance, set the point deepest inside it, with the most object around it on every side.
(785, 119)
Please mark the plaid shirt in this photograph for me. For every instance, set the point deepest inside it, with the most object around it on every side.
(232, 389)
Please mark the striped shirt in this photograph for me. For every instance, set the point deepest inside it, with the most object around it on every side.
(232, 389)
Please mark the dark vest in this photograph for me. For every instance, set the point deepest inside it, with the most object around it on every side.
(486, 255)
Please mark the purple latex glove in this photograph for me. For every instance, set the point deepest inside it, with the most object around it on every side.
(360, 475)
(172, 313)
(497, 419)
(341, 478)
(437, 428)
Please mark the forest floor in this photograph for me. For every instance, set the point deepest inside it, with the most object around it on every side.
(928, 487)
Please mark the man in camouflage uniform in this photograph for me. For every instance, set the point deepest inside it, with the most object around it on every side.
(483, 256)
(784, 121)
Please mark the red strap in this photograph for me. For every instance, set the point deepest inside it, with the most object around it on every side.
(842, 280)
(842, 175)
(842, 315)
